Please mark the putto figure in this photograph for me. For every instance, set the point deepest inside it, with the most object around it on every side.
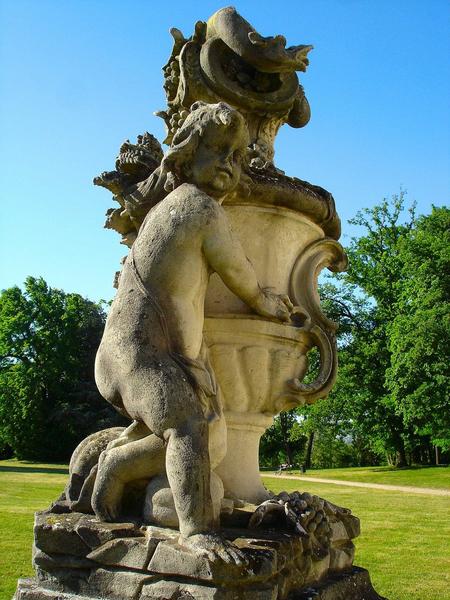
(152, 364)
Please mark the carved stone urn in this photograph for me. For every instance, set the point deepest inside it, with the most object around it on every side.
(260, 364)
(287, 227)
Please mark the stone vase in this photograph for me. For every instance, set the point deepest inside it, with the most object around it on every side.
(259, 363)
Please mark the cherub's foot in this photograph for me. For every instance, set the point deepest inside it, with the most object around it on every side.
(83, 503)
(214, 547)
(108, 490)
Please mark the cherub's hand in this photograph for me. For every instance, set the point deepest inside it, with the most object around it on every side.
(275, 306)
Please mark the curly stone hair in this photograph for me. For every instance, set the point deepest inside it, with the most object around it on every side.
(174, 168)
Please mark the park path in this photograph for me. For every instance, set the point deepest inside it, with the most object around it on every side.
(375, 486)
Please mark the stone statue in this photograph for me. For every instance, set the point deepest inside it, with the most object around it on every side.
(206, 341)
(149, 363)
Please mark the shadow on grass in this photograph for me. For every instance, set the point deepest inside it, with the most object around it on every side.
(18, 469)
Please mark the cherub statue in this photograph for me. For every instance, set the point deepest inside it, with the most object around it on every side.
(151, 363)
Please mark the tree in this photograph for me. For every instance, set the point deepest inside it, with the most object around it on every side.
(419, 334)
(283, 442)
(374, 271)
(48, 397)
(391, 395)
(391, 399)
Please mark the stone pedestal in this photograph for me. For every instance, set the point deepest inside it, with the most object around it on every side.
(353, 585)
(239, 470)
(76, 557)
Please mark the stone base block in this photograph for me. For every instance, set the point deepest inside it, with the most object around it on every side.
(77, 557)
(355, 585)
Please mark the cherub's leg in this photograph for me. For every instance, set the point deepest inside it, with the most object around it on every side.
(188, 472)
(118, 466)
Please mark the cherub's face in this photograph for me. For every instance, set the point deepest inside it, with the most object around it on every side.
(216, 166)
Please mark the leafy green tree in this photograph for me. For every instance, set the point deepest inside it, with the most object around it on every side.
(283, 442)
(373, 274)
(419, 334)
(391, 397)
(392, 304)
(48, 397)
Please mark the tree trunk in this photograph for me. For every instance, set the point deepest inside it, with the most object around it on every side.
(416, 456)
(437, 455)
(285, 433)
(401, 459)
(309, 449)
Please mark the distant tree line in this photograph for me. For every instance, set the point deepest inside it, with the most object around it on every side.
(391, 400)
(48, 398)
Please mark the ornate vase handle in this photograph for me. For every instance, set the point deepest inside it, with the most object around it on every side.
(303, 291)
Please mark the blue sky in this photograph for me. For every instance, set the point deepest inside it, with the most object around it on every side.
(79, 77)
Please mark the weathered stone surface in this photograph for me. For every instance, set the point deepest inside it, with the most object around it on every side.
(341, 557)
(53, 562)
(30, 589)
(277, 562)
(319, 569)
(85, 457)
(338, 532)
(116, 584)
(69, 580)
(56, 534)
(352, 524)
(132, 553)
(94, 533)
(354, 585)
(171, 559)
(184, 590)
(60, 506)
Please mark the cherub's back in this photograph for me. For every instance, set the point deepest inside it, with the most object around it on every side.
(173, 232)
(166, 272)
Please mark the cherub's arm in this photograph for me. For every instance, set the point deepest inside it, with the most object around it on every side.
(226, 257)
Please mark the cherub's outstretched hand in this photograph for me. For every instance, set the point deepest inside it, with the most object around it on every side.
(275, 306)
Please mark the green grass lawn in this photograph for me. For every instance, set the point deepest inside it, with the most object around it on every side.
(24, 488)
(404, 540)
(432, 477)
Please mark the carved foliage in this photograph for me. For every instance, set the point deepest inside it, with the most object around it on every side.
(226, 59)
(134, 163)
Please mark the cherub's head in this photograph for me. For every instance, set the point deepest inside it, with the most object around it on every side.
(208, 150)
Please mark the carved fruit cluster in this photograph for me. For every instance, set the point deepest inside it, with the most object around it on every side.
(308, 513)
(171, 77)
(305, 513)
(139, 159)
